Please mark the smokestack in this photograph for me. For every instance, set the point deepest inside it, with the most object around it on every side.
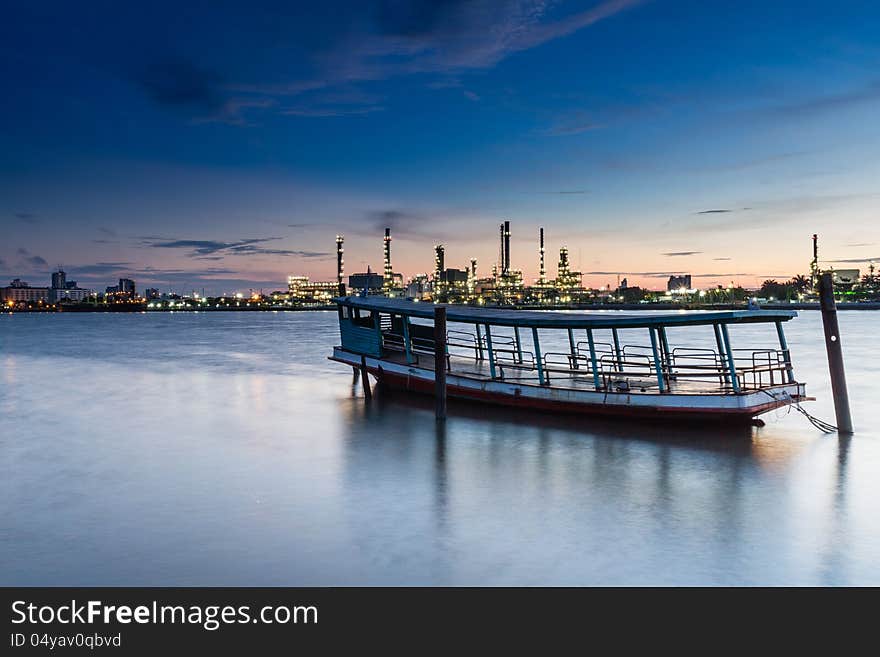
(815, 247)
(543, 272)
(474, 267)
(388, 277)
(340, 264)
(506, 247)
(501, 259)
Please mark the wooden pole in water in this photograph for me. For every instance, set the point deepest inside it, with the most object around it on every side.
(440, 362)
(365, 379)
(835, 354)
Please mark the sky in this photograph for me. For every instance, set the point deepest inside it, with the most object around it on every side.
(221, 146)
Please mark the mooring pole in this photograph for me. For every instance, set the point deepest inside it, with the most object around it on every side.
(365, 379)
(835, 354)
(440, 362)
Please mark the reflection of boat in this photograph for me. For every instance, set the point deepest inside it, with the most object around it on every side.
(656, 380)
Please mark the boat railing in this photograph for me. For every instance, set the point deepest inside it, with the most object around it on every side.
(632, 367)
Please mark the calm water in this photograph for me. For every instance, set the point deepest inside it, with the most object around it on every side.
(224, 449)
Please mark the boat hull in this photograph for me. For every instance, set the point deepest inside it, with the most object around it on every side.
(741, 407)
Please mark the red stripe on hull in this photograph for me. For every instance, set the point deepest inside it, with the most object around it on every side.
(415, 384)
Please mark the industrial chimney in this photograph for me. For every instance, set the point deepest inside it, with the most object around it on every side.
(388, 278)
(506, 269)
(542, 271)
(340, 265)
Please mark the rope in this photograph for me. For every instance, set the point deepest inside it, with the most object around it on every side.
(821, 425)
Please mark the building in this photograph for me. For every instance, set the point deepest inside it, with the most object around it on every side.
(125, 288)
(300, 288)
(59, 280)
(20, 292)
(152, 293)
(65, 290)
(678, 283)
(368, 280)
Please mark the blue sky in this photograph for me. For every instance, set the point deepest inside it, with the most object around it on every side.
(223, 145)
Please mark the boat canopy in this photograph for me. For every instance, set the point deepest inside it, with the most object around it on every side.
(564, 320)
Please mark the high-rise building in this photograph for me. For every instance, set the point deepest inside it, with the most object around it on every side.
(59, 280)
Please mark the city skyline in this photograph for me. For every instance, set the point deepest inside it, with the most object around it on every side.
(224, 150)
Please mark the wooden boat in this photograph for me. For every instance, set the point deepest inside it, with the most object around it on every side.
(502, 356)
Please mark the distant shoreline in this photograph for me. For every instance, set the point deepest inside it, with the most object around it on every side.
(873, 305)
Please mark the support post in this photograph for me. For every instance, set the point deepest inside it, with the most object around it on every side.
(656, 353)
(835, 354)
(593, 361)
(572, 348)
(731, 364)
(667, 355)
(491, 351)
(407, 341)
(538, 356)
(479, 342)
(617, 353)
(786, 354)
(719, 343)
(440, 362)
(365, 379)
(518, 344)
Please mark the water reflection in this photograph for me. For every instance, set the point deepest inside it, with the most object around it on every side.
(272, 469)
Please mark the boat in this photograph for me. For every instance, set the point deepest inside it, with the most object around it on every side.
(513, 357)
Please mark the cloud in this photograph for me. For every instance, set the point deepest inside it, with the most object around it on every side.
(174, 81)
(2, 263)
(658, 274)
(568, 126)
(109, 232)
(399, 38)
(675, 254)
(324, 112)
(713, 211)
(856, 260)
(722, 258)
(36, 261)
(245, 247)
(860, 244)
(830, 102)
(470, 95)
(27, 217)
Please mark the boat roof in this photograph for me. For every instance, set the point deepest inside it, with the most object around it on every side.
(564, 319)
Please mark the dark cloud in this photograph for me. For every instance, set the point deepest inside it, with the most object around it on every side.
(174, 81)
(27, 217)
(99, 268)
(2, 263)
(36, 261)
(661, 274)
(109, 232)
(674, 254)
(713, 211)
(722, 258)
(245, 247)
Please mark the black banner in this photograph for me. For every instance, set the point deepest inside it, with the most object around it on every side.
(149, 620)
